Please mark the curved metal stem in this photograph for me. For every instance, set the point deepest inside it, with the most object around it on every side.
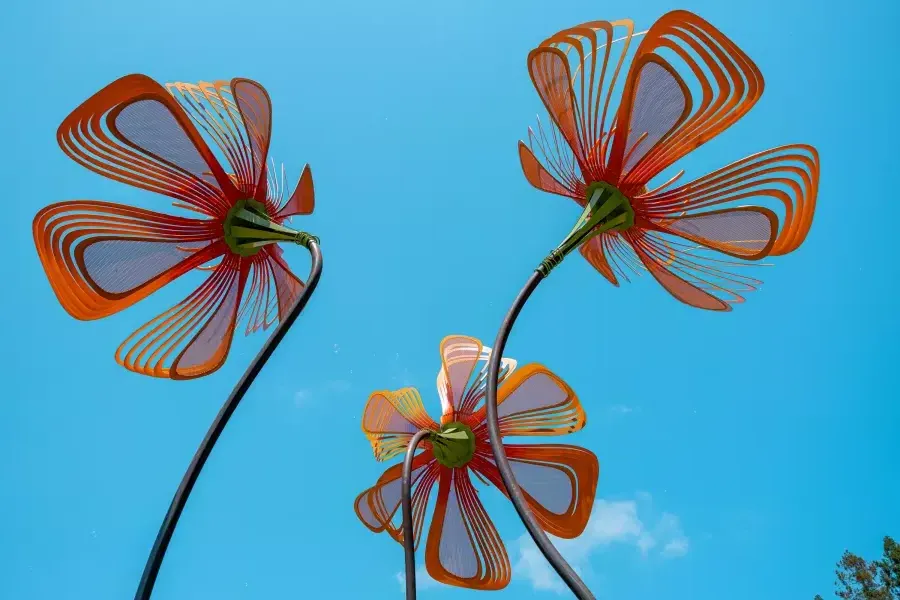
(154, 561)
(559, 564)
(409, 542)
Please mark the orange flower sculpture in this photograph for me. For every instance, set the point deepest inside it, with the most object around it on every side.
(686, 84)
(101, 257)
(463, 547)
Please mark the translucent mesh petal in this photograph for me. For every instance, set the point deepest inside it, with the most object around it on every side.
(559, 482)
(463, 547)
(303, 200)
(236, 117)
(101, 258)
(660, 105)
(720, 85)
(191, 339)
(534, 401)
(422, 485)
(391, 418)
(256, 109)
(462, 380)
(742, 232)
(132, 131)
(691, 273)
(784, 179)
(593, 252)
(377, 506)
(272, 292)
(576, 74)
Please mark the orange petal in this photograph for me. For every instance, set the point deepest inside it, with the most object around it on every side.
(575, 73)
(538, 176)
(288, 286)
(463, 546)
(214, 108)
(134, 132)
(390, 419)
(255, 106)
(192, 338)
(101, 258)
(729, 83)
(659, 102)
(534, 401)
(377, 506)
(559, 483)
(460, 355)
(593, 251)
(746, 232)
(688, 278)
(785, 178)
(303, 200)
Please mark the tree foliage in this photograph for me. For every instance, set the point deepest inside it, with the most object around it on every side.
(879, 579)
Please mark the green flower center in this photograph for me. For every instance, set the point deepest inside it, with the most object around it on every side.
(607, 209)
(454, 445)
(248, 227)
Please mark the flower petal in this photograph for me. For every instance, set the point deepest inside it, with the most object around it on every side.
(592, 250)
(192, 338)
(213, 108)
(534, 401)
(746, 232)
(540, 178)
(303, 200)
(255, 107)
(459, 357)
(134, 132)
(461, 383)
(101, 258)
(390, 419)
(377, 506)
(571, 73)
(784, 178)
(273, 290)
(659, 119)
(463, 546)
(689, 274)
(559, 483)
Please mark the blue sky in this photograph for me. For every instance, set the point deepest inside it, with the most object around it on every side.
(739, 452)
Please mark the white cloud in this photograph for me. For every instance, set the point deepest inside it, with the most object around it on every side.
(423, 579)
(303, 396)
(621, 409)
(612, 523)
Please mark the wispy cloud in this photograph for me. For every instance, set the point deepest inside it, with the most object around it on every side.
(423, 579)
(304, 396)
(612, 523)
(621, 409)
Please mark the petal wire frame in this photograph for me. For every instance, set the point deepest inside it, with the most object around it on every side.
(463, 546)
(461, 381)
(559, 483)
(192, 338)
(134, 132)
(390, 419)
(100, 257)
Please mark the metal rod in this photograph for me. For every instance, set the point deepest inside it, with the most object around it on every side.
(409, 542)
(158, 552)
(559, 564)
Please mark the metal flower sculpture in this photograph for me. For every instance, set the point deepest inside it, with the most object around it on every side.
(463, 548)
(102, 257)
(686, 83)
(605, 158)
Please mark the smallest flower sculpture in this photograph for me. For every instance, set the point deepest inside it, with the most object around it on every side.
(559, 481)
